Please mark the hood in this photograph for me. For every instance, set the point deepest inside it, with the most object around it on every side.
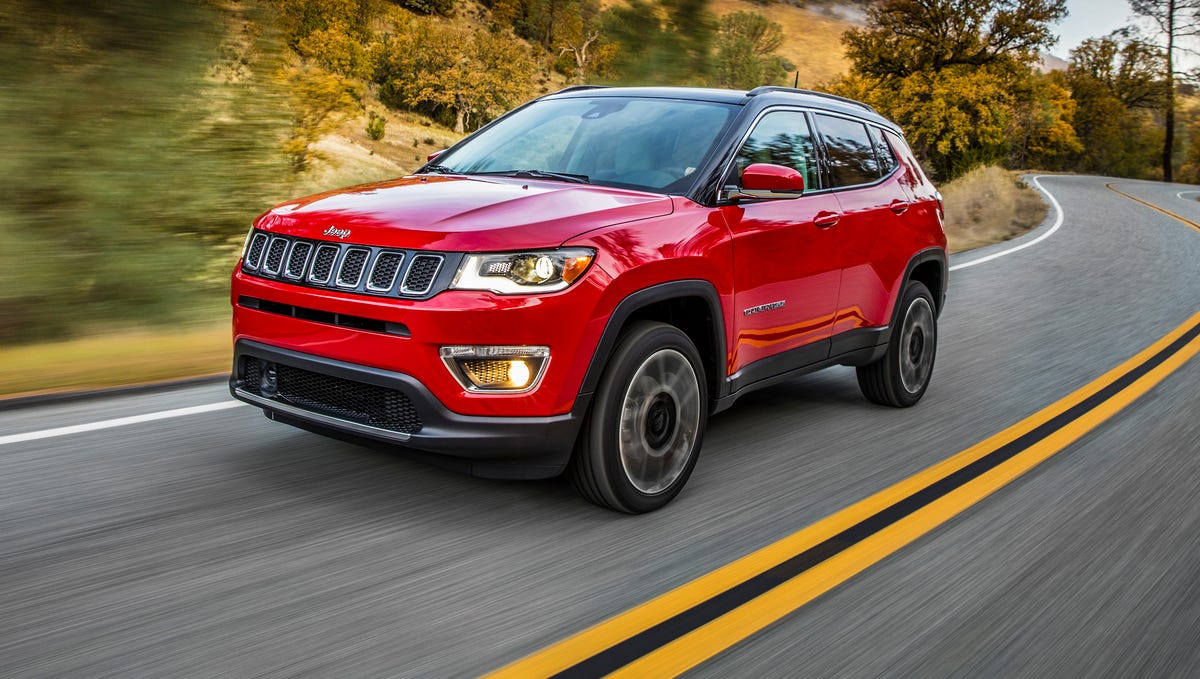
(461, 214)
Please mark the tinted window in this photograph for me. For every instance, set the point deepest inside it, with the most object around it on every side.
(782, 138)
(901, 148)
(634, 142)
(883, 153)
(851, 156)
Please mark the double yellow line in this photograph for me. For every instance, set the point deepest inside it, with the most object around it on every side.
(1113, 187)
(684, 627)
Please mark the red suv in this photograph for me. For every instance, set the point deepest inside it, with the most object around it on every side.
(578, 285)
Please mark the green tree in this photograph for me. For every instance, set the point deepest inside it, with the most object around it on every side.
(475, 76)
(668, 43)
(1176, 20)
(1117, 84)
(745, 58)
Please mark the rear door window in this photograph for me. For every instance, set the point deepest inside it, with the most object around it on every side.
(851, 154)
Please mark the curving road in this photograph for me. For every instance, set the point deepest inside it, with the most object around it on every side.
(218, 543)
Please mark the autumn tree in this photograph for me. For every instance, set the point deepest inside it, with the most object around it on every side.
(319, 102)
(473, 75)
(302, 18)
(745, 57)
(952, 71)
(581, 36)
(1042, 132)
(904, 37)
(1176, 20)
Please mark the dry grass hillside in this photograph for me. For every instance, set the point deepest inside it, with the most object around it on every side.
(989, 205)
(812, 38)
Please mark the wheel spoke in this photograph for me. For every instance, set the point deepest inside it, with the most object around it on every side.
(659, 418)
(918, 336)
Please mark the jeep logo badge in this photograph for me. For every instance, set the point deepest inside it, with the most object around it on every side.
(336, 232)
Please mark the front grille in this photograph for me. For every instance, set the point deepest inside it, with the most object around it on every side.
(344, 399)
(298, 260)
(275, 255)
(352, 268)
(323, 264)
(383, 275)
(421, 274)
(349, 267)
(254, 254)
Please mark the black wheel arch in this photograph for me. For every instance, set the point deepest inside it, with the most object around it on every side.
(692, 305)
(932, 268)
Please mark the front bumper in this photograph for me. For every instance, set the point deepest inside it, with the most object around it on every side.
(332, 396)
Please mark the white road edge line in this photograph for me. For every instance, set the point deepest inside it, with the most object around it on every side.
(118, 422)
(1180, 194)
(1058, 220)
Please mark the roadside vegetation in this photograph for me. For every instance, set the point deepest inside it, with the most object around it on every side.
(141, 138)
(988, 205)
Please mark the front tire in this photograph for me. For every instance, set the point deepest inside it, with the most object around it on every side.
(642, 438)
(900, 378)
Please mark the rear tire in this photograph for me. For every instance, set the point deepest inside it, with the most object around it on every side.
(642, 438)
(900, 378)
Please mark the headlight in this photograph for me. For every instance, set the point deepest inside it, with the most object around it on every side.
(522, 273)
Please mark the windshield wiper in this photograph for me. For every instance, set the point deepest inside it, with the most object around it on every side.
(438, 169)
(540, 174)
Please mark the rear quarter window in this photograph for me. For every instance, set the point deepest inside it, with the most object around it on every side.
(851, 153)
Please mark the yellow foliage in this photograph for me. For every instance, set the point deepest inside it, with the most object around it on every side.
(319, 101)
(476, 74)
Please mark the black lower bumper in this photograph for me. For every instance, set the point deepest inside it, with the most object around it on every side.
(350, 400)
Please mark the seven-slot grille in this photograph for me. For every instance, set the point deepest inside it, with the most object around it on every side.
(351, 268)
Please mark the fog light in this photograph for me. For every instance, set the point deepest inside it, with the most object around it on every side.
(496, 368)
(519, 373)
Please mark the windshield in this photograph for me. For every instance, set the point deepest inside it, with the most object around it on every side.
(638, 143)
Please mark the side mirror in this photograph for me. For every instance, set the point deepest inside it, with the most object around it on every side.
(435, 154)
(772, 179)
(765, 181)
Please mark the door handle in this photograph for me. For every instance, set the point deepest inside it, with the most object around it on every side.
(824, 220)
(899, 206)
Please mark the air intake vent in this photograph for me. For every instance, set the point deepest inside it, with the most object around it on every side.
(332, 396)
(421, 274)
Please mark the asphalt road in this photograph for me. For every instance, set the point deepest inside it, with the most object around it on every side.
(222, 544)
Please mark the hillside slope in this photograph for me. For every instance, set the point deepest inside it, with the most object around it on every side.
(812, 38)
(812, 41)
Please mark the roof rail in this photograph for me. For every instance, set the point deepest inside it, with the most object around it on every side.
(779, 88)
(576, 88)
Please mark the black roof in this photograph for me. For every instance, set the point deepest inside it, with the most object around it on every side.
(768, 94)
